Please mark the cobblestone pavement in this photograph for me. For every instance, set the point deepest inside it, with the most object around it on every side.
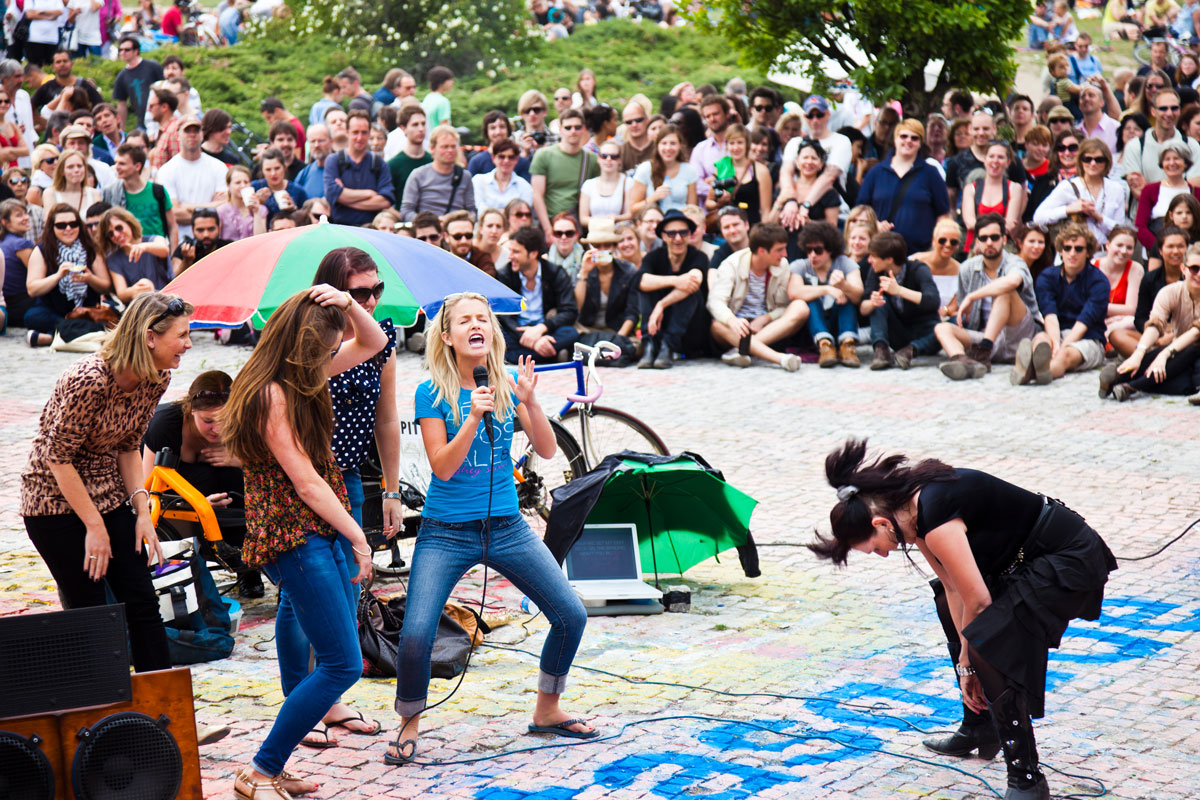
(1122, 707)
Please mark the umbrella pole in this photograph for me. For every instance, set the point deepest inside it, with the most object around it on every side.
(650, 527)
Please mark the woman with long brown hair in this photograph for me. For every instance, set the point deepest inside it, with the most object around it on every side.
(667, 180)
(1015, 568)
(279, 423)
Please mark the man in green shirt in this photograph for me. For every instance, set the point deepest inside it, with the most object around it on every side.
(437, 107)
(557, 172)
(401, 165)
(149, 202)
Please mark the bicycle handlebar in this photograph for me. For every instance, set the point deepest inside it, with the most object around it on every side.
(602, 348)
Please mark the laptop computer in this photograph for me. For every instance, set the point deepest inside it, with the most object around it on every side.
(603, 568)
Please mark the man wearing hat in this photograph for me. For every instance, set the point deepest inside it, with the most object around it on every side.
(77, 137)
(192, 178)
(838, 153)
(671, 284)
(1059, 119)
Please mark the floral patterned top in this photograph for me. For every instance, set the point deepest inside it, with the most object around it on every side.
(88, 421)
(355, 393)
(277, 520)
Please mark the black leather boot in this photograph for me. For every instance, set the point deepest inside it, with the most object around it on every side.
(975, 733)
(1010, 713)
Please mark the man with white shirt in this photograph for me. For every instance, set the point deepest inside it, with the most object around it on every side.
(46, 18)
(21, 111)
(192, 178)
(1139, 163)
(838, 153)
(495, 189)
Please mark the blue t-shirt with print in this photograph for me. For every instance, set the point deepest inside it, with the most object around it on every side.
(465, 496)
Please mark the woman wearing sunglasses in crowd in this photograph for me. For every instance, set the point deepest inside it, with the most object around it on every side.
(17, 248)
(1101, 201)
(82, 494)
(17, 181)
(65, 273)
(606, 195)
(364, 410)
(1063, 162)
(45, 161)
(943, 266)
(136, 263)
(471, 515)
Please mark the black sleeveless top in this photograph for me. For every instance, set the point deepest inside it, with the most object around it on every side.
(747, 193)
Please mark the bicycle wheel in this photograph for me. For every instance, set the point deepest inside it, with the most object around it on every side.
(607, 430)
(1141, 50)
(536, 477)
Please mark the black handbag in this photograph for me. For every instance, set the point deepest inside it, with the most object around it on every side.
(379, 625)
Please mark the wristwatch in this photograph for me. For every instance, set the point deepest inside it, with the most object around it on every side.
(391, 495)
(806, 205)
(963, 671)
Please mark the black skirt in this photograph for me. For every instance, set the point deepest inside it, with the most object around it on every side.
(1059, 577)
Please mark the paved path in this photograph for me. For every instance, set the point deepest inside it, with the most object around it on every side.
(1123, 702)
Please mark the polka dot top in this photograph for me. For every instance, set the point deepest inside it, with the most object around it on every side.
(355, 393)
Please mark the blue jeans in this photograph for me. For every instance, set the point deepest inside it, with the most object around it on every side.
(564, 339)
(888, 328)
(843, 319)
(446, 550)
(42, 319)
(312, 580)
(1038, 36)
(291, 643)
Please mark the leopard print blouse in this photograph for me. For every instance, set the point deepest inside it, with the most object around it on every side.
(87, 422)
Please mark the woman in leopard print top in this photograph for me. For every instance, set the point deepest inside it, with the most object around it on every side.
(81, 492)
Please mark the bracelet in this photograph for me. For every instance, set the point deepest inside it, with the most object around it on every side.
(349, 301)
(963, 671)
(790, 200)
(391, 495)
(136, 492)
(360, 552)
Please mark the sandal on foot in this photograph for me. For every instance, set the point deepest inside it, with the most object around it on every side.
(564, 729)
(246, 788)
(406, 751)
(374, 727)
(286, 776)
(321, 744)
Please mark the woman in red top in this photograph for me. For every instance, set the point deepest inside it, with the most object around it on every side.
(994, 193)
(12, 143)
(1037, 152)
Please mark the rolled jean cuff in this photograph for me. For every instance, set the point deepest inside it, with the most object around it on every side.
(847, 336)
(550, 684)
(410, 708)
(255, 763)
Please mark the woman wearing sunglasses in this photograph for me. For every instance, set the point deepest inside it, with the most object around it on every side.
(943, 266)
(45, 160)
(65, 273)
(364, 410)
(606, 195)
(82, 494)
(137, 263)
(1064, 159)
(191, 428)
(1091, 195)
(17, 181)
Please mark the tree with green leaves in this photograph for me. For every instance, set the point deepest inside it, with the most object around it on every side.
(883, 46)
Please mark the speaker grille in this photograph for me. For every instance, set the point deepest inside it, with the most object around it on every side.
(63, 659)
(127, 756)
(25, 772)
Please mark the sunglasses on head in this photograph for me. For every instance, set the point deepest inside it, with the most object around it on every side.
(209, 398)
(66, 226)
(362, 294)
(174, 309)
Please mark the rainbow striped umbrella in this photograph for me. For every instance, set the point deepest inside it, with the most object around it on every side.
(247, 280)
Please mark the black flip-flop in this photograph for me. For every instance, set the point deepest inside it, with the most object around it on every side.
(406, 751)
(564, 729)
(322, 730)
(358, 717)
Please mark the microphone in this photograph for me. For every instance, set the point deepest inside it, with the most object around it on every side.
(480, 374)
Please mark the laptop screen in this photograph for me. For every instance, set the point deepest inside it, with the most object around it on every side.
(603, 552)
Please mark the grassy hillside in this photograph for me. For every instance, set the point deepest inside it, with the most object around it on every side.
(627, 58)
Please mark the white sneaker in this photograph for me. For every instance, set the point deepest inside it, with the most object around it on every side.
(735, 359)
(790, 362)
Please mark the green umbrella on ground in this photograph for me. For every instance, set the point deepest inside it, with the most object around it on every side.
(684, 512)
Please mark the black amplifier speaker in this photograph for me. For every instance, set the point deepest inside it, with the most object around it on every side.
(75, 725)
